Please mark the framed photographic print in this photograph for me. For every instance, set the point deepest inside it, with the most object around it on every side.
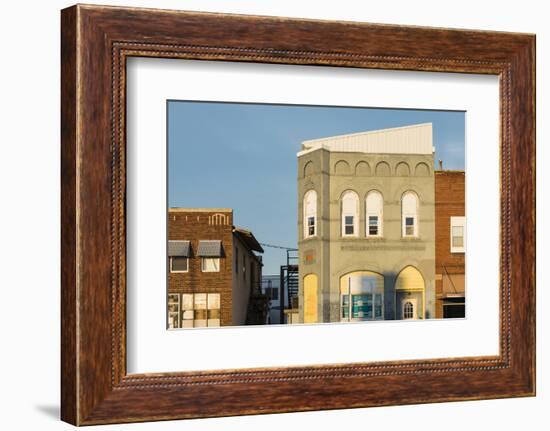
(286, 207)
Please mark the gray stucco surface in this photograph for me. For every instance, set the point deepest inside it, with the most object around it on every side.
(329, 255)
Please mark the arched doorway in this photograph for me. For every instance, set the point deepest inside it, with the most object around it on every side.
(361, 296)
(310, 298)
(409, 294)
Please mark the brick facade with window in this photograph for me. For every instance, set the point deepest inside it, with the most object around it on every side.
(200, 267)
(450, 243)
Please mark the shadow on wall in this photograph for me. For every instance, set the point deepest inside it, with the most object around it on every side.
(51, 411)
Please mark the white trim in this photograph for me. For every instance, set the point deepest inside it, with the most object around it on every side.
(457, 222)
(405, 214)
(175, 272)
(344, 214)
(309, 212)
(376, 212)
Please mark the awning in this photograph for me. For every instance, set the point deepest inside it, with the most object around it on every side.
(210, 248)
(453, 285)
(178, 248)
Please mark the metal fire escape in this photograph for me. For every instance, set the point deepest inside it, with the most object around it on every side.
(289, 280)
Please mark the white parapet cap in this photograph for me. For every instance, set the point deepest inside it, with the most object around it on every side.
(413, 139)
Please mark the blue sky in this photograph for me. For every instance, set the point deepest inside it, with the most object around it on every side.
(243, 156)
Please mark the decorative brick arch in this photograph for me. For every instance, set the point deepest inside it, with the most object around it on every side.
(342, 167)
(402, 169)
(362, 168)
(383, 169)
(308, 169)
(422, 170)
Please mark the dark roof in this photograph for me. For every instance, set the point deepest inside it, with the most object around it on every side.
(178, 248)
(449, 172)
(248, 239)
(210, 248)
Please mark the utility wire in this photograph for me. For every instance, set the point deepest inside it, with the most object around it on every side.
(278, 246)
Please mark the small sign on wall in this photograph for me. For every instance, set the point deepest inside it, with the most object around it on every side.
(309, 257)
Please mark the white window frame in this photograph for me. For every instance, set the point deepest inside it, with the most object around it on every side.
(174, 271)
(203, 259)
(374, 212)
(355, 215)
(458, 221)
(408, 214)
(310, 211)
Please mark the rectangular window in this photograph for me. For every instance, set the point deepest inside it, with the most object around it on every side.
(361, 306)
(373, 225)
(174, 311)
(210, 264)
(311, 226)
(409, 226)
(345, 307)
(348, 225)
(188, 315)
(200, 310)
(455, 311)
(179, 264)
(458, 234)
(213, 309)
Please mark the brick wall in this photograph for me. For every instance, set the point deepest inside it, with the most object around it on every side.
(449, 201)
(193, 226)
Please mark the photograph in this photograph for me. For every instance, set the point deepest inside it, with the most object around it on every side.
(255, 215)
(281, 214)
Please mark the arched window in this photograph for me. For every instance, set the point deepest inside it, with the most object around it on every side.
(310, 214)
(350, 214)
(408, 310)
(374, 213)
(310, 298)
(409, 214)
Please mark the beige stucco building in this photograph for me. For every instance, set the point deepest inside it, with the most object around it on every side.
(366, 234)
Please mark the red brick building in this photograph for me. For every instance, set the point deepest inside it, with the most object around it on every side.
(213, 269)
(450, 243)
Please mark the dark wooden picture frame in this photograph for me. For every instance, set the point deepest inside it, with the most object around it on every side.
(96, 42)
